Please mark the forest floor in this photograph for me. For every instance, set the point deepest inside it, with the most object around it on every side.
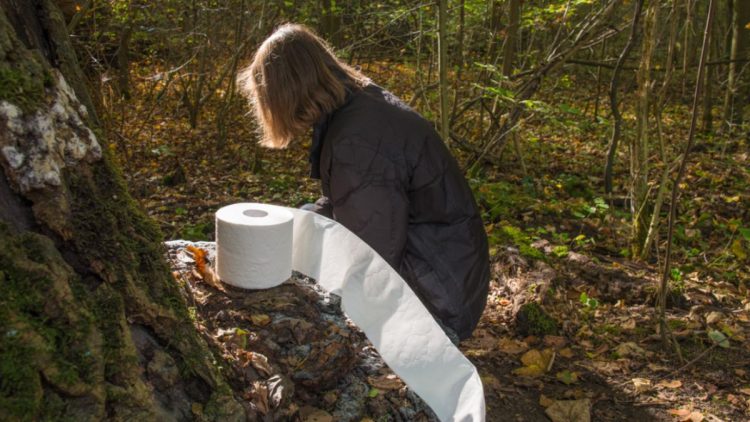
(556, 240)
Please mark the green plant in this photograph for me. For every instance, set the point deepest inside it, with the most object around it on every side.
(598, 208)
(589, 303)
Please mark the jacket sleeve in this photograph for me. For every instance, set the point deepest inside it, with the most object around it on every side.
(368, 192)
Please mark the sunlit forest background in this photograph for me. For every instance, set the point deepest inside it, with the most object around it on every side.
(606, 142)
(535, 91)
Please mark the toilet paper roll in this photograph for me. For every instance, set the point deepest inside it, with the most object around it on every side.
(253, 245)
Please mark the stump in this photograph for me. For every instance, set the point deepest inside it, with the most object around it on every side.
(290, 351)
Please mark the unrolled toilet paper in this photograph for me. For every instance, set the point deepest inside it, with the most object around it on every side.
(373, 295)
(253, 245)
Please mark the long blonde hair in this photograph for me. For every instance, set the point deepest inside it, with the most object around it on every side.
(294, 80)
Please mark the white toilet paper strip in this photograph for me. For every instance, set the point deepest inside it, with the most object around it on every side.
(385, 308)
(253, 245)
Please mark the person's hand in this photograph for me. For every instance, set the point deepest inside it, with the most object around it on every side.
(322, 206)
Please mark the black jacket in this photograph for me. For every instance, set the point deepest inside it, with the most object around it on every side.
(391, 180)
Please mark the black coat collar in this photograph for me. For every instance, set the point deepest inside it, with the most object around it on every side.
(318, 136)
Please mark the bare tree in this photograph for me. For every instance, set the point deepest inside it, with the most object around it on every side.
(666, 271)
(613, 103)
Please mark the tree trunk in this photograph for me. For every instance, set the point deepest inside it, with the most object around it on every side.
(123, 61)
(613, 103)
(93, 325)
(641, 207)
(443, 70)
(707, 119)
(509, 52)
(494, 30)
(687, 48)
(741, 19)
(730, 116)
(330, 22)
(658, 105)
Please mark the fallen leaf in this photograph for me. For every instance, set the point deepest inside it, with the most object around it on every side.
(259, 397)
(570, 411)
(386, 382)
(490, 381)
(482, 341)
(280, 389)
(529, 371)
(567, 353)
(543, 358)
(745, 391)
(545, 401)
(259, 362)
(695, 417)
(714, 317)
(203, 270)
(567, 377)
(313, 414)
(260, 319)
(555, 342)
(670, 384)
(600, 350)
(606, 367)
(680, 413)
(657, 368)
(641, 385)
(511, 346)
(629, 349)
(535, 363)
(686, 414)
(719, 338)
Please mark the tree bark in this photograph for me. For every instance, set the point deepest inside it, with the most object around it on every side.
(664, 329)
(687, 38)
(93, 325)
(641, 207)
(707, 119)
(738, 89)
(729, 95)
(443, 70)
(658, 105)
(509, 52)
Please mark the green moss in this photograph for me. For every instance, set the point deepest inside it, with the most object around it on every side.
(509, 234)
(19, 88)
(42, 330)
(108, 309)
(20, 384)
(23, 76)
(532, 319)
(110, 228)
(501, 200)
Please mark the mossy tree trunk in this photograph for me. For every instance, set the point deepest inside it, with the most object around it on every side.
(92, 325)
